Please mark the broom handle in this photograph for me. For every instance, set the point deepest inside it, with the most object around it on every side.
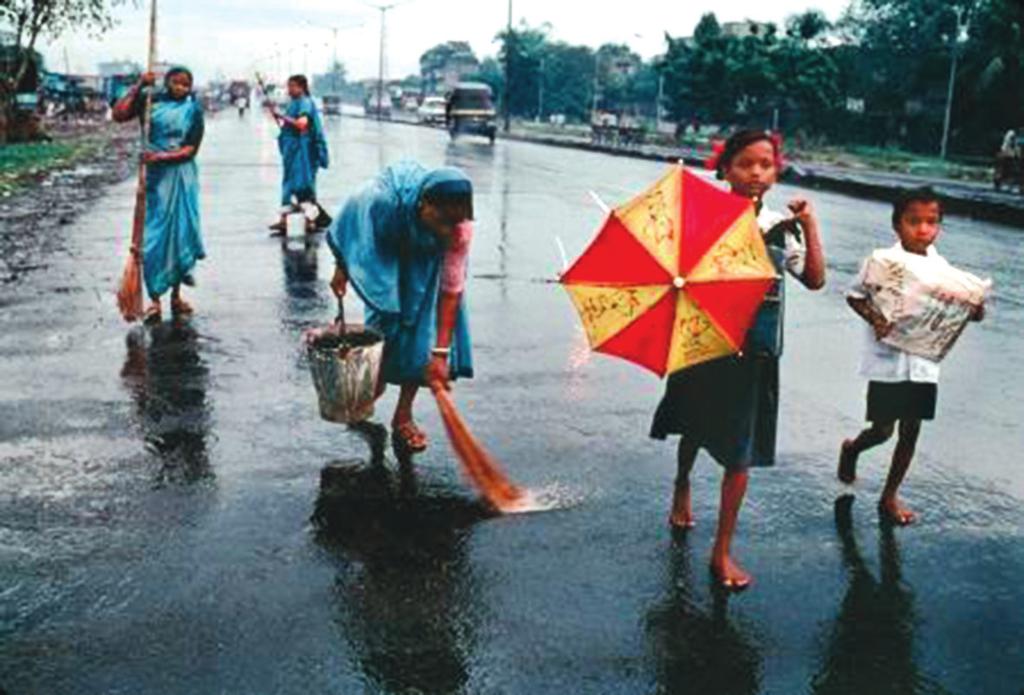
(147, 116)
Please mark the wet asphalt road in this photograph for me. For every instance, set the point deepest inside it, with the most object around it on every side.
(163, 530)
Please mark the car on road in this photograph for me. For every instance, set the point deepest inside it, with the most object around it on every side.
(375, 109)
(432, 111)
(332, 105)
(471, 111)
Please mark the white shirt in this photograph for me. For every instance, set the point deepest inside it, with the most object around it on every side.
(881, 362)
(795, 252)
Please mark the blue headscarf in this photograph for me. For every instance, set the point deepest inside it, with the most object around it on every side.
(379, 228)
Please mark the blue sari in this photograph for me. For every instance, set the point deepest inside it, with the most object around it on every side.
(394, 264)
(301, 153)
(172, 243)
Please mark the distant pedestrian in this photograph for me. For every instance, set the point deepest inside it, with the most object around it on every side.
(729, 406)
(902, 387)
(303, 148)
(172, 243)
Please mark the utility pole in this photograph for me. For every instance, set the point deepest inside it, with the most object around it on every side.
(661, 98)
(380, 65)
(963, 20)
(540, 93)
(508, 74)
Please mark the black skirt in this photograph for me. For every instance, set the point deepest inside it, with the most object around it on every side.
(729, 407)
(901, 400)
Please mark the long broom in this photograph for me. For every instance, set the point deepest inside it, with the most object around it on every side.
(129, 294)
(481, 469)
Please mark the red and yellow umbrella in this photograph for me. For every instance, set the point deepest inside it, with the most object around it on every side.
(675, 276)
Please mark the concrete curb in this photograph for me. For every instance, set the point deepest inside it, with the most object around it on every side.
(976, 205)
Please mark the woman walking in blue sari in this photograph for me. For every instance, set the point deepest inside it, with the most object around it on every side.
(172, 243)
(403, 242)
(303, 151)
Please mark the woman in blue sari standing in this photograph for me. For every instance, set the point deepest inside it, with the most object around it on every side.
(403, 242)
(303, 151)
(172, 243)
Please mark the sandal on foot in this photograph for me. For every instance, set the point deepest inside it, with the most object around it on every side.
(180, 307)
(153, 314)
(409, 437)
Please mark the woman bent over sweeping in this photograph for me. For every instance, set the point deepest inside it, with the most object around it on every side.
(403, 242)
(172, 243)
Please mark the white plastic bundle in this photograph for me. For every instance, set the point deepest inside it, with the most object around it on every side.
(928, 301)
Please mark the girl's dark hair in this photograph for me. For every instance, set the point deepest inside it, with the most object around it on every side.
(301, 81)
(922, 194)
(741, 140)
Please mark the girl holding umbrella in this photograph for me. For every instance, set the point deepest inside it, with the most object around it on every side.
(172, 243)
(403, 242)
(729, 406)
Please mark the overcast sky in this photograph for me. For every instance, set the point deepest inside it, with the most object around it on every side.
(228, 37)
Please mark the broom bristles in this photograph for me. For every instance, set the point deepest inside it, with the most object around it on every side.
(480, 467)
(129, 294)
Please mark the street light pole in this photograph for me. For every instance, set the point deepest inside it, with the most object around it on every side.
(540, 94)
(508, 74)
(962, 23)
(380, 65)
(657, 105)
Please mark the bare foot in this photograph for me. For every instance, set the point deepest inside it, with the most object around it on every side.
(729, 575)
(847, 463)
(893, 510)
(681, 517)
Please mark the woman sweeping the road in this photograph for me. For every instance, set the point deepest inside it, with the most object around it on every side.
(403, 241)
(303, 150)
(729, 406)
(172, 243)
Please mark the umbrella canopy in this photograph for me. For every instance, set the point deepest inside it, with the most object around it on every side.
(674, 277)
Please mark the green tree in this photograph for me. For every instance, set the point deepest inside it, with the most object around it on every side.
(522, 50)
(451, 55)
(28, 20)
(899, 61)
(568, 78)
(333, 81)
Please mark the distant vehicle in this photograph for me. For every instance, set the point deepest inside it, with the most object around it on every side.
(432, 111)
(471, 111)
(332, 105)
(370, 106)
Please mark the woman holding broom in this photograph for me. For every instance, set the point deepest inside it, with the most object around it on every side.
(303, 151)
(172, 243)
(403, 242)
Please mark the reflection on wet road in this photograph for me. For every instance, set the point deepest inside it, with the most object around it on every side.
(174, 517)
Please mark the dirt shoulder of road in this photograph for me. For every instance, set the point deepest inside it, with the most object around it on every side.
(47, 185)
